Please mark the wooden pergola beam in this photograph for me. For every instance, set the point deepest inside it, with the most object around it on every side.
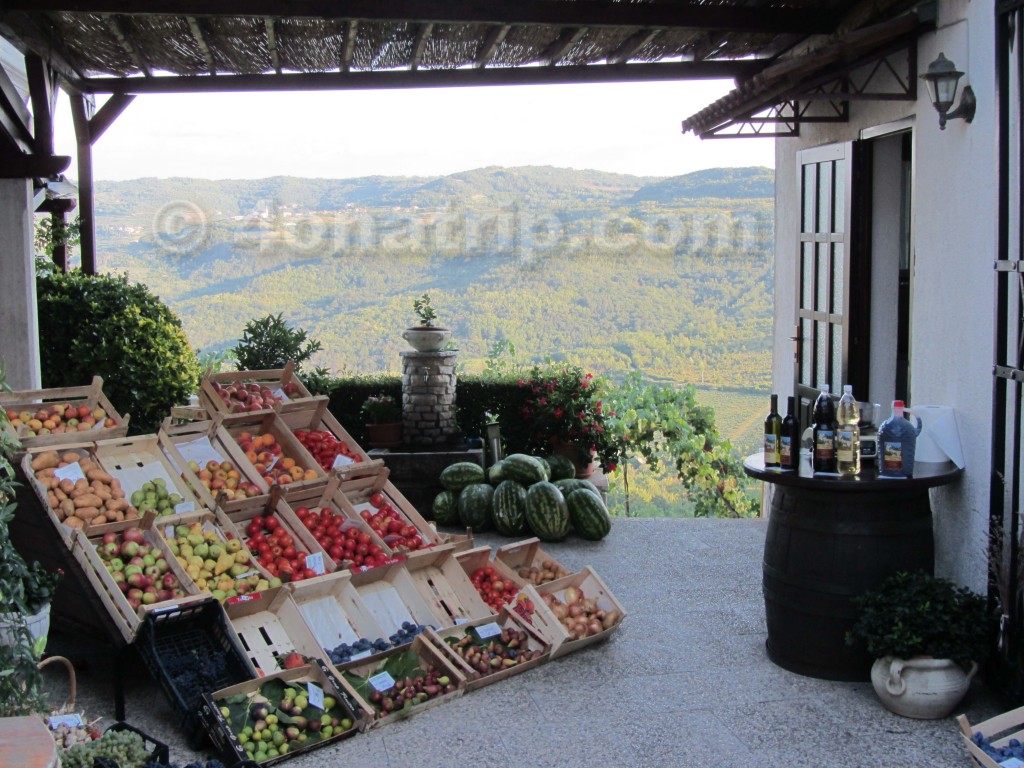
(43, 92)
(349, 32)
(580, 13)
(495, 36)
(124, 40)
(23, 31)
(14, 116)
(632, 44)
(419, 43)
(561, 45)
(22, 166)
(204, 48)
(275, 59)
(430, 78)
(105, 115)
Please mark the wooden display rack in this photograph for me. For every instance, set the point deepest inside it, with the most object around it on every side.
(429, 654)
(314, 415)
(445, 587)
(274, 379)
(91, 396)
(333, 610)
(268, 422)
(474, 678)
(548, 625)
(391, 597)
(472, 560)
(269, 626)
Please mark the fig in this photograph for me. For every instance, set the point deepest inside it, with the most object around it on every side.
(449, 688)
(444, 680)
(259, 711)
(376, 696)
(431, 690)
(387, 704)
(300, 723)
(313, 726)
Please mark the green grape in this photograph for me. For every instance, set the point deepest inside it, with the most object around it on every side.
(125, 747)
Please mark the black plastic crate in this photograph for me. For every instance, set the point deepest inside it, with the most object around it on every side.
(191, 649)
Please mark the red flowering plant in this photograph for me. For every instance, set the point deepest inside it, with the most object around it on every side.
(563, 405)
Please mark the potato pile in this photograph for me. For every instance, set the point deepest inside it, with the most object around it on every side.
(95, 499)
(549, 571)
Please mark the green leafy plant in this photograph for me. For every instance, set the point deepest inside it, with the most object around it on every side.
(24, 589)
(380, 409)
(103, 325)
(664, 426)
(563, 404)
(269, 342)
(424, 311)
(916, 614)
(49, 234)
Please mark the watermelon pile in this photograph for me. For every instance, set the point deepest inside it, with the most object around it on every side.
(522, 493)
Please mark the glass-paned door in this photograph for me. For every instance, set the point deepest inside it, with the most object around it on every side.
(823, 272)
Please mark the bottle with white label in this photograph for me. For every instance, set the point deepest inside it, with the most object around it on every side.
(772, 434)
(848, 434)
(897, 443)
(823, 431)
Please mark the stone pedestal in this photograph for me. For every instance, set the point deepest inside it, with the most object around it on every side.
(428, 398)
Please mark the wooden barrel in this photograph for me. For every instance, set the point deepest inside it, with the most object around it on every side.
(824, 548)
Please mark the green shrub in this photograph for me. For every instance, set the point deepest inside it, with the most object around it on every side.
(103, 325)
(269, 342)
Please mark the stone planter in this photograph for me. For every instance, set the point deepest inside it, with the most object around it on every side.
(38, 626)
(921, 688)
(572, 452)
(384, 435)
(424, 339)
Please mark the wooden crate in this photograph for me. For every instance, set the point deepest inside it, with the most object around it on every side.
(314, 415)
(210, 441)
(137, 460)
(429, 654)
(83, 450)
(216, 521)
(333, 610)
(480, 557)
(359, 490)
(474, 678)
(269, 627)
(124, 617)
(272, 424)
(186, 414)
(999, 730)
(90, 396)
(445, 587)
(391, 597)
(277, 380)
(225, 740)
(274, 504)
(329, 497)
(527, 554)
(548, 625)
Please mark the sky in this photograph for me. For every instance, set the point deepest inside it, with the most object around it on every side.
(631, 128)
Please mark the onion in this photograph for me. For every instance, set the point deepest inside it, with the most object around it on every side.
(560, 611)
(581, 629)
(611, 618)
(594, 627)
(572, 595)
(589, 605)
(576, 610)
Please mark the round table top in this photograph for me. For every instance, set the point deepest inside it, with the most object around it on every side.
(926, 475)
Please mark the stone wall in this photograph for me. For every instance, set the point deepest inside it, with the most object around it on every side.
(428, 397)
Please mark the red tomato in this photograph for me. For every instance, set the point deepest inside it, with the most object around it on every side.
(376, 499)
(271, 523)
(288, 552)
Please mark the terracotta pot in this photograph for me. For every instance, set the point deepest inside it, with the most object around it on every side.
(922, 688)
(572, 452)
(384, 435)
(426, 339)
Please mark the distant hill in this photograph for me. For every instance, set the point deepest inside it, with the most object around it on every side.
(722, 183)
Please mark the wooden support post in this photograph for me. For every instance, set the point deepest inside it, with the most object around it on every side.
(81, 112)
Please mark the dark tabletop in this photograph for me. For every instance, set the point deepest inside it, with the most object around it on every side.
(926, 475)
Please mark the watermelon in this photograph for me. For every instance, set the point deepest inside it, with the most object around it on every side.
(496, 474)
(475, 506)
(569, 485)
(546, 512)
(446, 508)
(457, 476)
(589, 516)
(525, 470)
(561, 467)
(508, 508)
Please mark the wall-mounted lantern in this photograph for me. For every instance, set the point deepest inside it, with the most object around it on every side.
(942, 78)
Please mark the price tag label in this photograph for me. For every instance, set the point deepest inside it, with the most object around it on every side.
(1011, 762)
(315, 563)
(72, 472)
(315, 695)
(361, 655)
(382, 682)
(280, 395)
(70, 721)
(460, 620)
(169, 532)
(184, 507)
(341, 460)
(488, 630)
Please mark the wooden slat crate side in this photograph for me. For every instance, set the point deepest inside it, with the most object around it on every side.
(525, 554)
(593, 588)
(472, 560)
(91, 395)
(335, 594)
(397, 585)
(277, 378)
(133, 452)
(271, 423)
(445, 586)
(256, 507)
(270, 626)
(121, 613)
(314, 415)
(999, 730)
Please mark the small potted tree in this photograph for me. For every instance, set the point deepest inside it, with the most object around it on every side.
(426, 337)
(927, 636)
(382, 417)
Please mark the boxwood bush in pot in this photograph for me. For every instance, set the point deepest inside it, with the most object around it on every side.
(927, 636)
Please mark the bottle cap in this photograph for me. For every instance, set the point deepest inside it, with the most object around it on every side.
(898, 404)
(823, 387)
(848, 388)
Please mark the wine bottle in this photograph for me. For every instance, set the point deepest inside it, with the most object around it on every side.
(824, 432)
(848, 434)
(789, 442)
(772, 434)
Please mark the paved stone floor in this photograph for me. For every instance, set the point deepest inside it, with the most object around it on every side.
(684, 682)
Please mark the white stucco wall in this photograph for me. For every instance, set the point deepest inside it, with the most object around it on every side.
(954, 199)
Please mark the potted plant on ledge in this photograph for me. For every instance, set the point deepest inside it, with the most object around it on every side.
(426, 337)
(383, 420)
(927, 636)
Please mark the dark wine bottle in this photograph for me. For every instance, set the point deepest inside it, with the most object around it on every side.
(824, 431)
(789, 442)
(772, 434)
